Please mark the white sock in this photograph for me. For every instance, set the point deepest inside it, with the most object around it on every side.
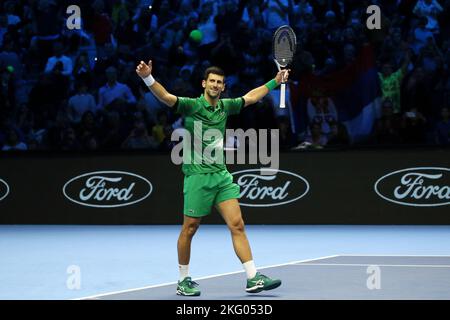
(250, 269)
(184, 271)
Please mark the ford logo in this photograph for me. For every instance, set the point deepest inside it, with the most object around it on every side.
(418, 187)
(107, 189)
(4, 189)
(279, 188)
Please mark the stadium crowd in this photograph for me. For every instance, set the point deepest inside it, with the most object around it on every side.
(76, 89)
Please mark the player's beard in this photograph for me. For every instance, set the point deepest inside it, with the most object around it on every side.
(212, 94)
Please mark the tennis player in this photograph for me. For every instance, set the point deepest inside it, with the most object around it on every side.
(209, 184)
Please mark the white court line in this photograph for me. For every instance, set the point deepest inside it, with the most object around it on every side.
(392, 255)
(378, 265)
(203, 278)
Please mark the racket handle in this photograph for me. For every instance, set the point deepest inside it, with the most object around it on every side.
(283, 96)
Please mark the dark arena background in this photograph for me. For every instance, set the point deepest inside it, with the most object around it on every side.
(91, 201)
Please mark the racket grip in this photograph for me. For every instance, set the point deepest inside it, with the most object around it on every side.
(283, 96)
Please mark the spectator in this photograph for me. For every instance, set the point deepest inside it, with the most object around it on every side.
(152, 105)
(182, 85)
(114, 91)
(12, 141)
(81, 102)
(418, 92)
(429, 9)
(139, 138)
(252, 15)
(53, 61)
(158, 131)
(3, 27)
(167, 144)
(338, 136)
(316, 139)
(87, 126)
(387, 128)
(349, 54)
(7, 92)
(431, 58)
(47, 27)
(442, 128)
(206, 25)
(276, 13)
(172, 33)
(153, 48)
(82, 70)
(391, 82)
(164, 15)
(252, 61)
(32, 144)
(10, 8)
(69, 141)
(90, 143)
(225, 54)
(302, 12)
(25, 122)
(321, 111)
(227, 17)
(421, 36)
(113, 131)
(9, 58)
(287, 139)
(101, 25)
(413, 127)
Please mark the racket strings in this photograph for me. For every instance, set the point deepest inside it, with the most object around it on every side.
(283, 55)
(284, 45)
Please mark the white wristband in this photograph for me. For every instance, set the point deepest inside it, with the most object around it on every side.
(149, 81)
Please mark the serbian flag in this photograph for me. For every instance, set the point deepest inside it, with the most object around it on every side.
(354, 90)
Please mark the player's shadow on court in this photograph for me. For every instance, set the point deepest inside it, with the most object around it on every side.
(259, 296)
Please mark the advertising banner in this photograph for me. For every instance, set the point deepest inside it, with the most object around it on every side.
(324, 187)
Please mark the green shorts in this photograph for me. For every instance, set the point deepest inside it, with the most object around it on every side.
(204, 190)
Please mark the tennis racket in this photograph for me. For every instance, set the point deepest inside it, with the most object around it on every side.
(284, 44)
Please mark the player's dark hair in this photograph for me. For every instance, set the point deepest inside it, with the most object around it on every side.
(213, 70)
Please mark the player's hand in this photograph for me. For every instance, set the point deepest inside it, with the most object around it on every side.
(282, 76)
(144, 70)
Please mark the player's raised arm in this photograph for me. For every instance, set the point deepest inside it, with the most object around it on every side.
(258, 93)
(145, 72)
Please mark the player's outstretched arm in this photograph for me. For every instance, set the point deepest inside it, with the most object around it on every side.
(257, 94)
(145, 72)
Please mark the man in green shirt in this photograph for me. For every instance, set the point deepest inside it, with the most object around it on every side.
(391, 82)
(207, 182)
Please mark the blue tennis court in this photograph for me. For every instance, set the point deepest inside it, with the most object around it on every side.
(139, 262)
